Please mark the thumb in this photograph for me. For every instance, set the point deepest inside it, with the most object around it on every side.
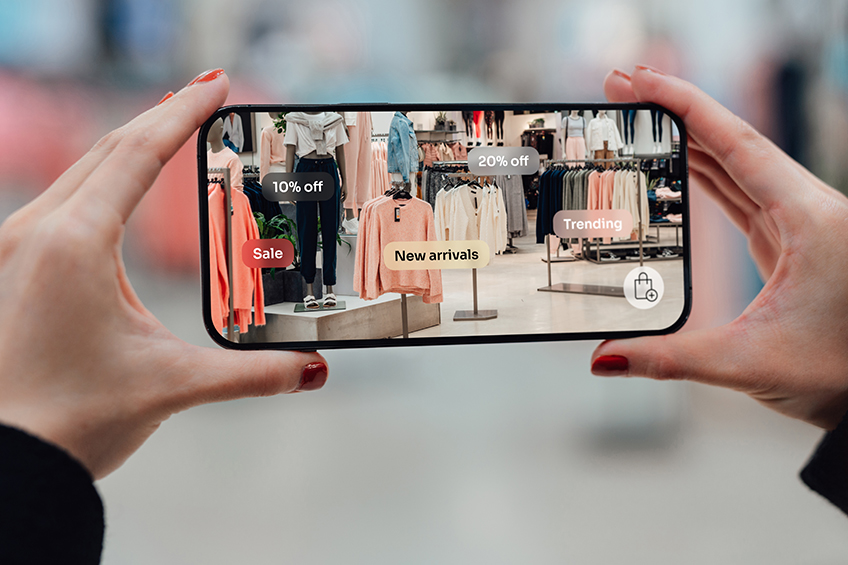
(711, 356)
(206, 375)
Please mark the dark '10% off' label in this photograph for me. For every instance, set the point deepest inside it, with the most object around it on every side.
(298, 187)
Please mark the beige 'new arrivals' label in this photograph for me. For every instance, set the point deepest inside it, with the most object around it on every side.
(412, 255)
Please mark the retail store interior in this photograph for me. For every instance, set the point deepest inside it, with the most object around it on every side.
(534, 282)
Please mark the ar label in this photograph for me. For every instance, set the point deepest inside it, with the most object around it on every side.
(413, 255)
(593, 223)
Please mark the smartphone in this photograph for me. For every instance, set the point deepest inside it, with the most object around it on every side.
(377, 225)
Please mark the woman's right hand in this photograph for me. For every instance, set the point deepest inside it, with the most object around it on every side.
(789, 348)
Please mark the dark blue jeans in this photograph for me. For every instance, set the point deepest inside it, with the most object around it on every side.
(629, 119)
(656, 124)
(307, 223)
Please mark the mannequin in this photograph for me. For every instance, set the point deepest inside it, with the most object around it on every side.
(602, 138)
(628, 118)
(219, 155)
(657, 129)
(272, 151)
(320, 159)
(574, 131)
(358, 163)
(234, 131)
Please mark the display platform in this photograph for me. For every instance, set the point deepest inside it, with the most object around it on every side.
(362, 319)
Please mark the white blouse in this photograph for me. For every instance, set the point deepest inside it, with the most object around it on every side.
(321, 133)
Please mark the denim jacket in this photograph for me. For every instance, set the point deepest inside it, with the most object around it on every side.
(402, 147)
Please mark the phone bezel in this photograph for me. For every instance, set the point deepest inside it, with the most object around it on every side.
(421, 341)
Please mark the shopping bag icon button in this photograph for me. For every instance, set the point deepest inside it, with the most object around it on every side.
(643, 287)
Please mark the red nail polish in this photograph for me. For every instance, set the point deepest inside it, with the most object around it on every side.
(208, 76)
(610, 366)
(167, 97)
(650, 69)
(313, 377)
(621, 74)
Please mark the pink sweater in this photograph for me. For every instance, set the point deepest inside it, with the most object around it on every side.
(227, 158)
(378, 228)
(271, 150)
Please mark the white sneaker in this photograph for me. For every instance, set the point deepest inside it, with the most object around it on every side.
(351, 226)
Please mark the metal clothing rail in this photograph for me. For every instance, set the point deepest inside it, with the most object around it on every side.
(475, 313)
(593, 289)
(228, 206)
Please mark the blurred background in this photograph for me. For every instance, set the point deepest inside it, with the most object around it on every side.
(483, 454)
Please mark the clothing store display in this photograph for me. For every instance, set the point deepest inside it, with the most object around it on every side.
(226, 158)
(490, 122)
(469, 212)
(478, 125)
(358, 159)
(385, 220)
(248, 293)
(542, 140)
(402, 147)
(272, 150)
(307, 224)
(321, 132)
(468, 120)
(602, 135)
(380, 180)
(499, 123)
(234, 131)
(516, 204)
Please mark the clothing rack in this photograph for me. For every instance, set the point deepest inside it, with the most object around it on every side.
(228, 206)
(250, 172)
(475, 313)
(436, 163)
(593, 289)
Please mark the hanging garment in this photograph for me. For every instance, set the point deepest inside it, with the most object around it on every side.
(272, 150)
(320, 133)
(380, 180)
(602, 135)
(226, 158)
(478, 128)
(357, 153)
(385, 220)
(460, 153)
(247, 288)
(234, 131)
(575, 142)
(431, 154)
(516, 203)
(402, 147)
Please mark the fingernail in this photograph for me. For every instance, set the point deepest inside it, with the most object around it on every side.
(649, 69)
(610, 366)
(208, 76)
(622, 74)
(167, 97)
(313, 377)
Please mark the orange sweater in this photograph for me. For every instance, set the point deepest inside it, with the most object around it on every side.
(378, 228)
(247, 283)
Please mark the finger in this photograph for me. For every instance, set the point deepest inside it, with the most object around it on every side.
(147, 143)
(760, 169)
(737, 216)
(687, 356)
(707, 166)
(214, 375)
(617, 87)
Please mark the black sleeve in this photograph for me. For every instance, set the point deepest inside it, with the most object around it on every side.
(50, 511)
(827, 470)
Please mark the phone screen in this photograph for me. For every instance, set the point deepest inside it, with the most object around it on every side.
(381, 225)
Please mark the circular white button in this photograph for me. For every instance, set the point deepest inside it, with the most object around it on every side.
(643, 288)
